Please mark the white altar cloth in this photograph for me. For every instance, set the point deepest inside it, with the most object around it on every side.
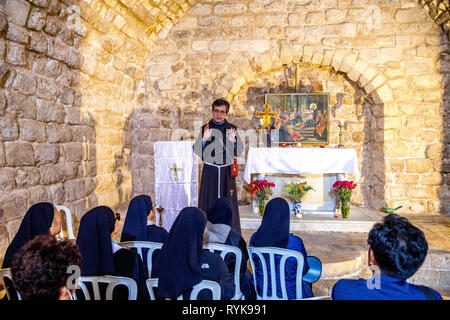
(175, 189)
(301, 161)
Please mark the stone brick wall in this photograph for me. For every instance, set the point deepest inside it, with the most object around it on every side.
(391, 52)
(71, 73)
(435, 271)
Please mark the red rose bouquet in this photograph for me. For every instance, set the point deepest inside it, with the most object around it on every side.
(262, 189)
(344, 191)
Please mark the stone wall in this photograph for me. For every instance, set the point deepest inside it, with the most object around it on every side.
(391, 52)
(71, 73)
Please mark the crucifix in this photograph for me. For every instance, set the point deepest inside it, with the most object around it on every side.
(266, 115)
(264, 121)
(175, 172)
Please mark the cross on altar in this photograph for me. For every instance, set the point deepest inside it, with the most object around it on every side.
(266, 115)
(175, 172)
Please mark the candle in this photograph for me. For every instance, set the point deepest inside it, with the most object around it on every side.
(341, 123)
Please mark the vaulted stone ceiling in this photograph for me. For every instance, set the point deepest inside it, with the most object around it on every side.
(439, 11)
(154, 15)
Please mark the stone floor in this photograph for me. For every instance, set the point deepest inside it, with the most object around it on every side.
(344, 253)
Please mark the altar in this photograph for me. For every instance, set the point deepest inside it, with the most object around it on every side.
(320, 167)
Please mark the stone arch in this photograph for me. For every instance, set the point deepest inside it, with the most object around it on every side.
(357, 70)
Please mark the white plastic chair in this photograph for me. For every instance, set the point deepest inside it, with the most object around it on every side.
(69, 222)
(6, 273)
(111, 281)
(319, 298)
(285, 254)
(224, 251)
(214, 287)
(139, 245)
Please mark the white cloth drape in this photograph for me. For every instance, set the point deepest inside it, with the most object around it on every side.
(175, 194)
(301, 161)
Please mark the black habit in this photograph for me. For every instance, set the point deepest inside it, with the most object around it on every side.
(217, 154)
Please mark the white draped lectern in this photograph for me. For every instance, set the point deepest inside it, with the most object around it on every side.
(176, 178)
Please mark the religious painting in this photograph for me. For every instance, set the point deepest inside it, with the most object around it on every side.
(300, 118)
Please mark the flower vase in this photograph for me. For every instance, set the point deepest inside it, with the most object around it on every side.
(345, 209)
(298, 209)
(261, 207)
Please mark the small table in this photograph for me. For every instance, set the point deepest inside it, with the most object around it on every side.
(322, 165)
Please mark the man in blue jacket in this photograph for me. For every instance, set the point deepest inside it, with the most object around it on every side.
(397, 250)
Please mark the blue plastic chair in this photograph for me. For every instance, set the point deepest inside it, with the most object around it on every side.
(315, 269)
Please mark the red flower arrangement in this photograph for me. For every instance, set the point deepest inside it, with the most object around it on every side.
(262, 188)
(344, 190)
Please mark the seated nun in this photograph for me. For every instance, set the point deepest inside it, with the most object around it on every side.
(182, 262)
(274, 232)
(218, 230)
(139, 226)
(139, 223)
(41, 218)
(102, 256)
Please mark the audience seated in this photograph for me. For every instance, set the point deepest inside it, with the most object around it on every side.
(397, 250)
(39, 262)
(182, 262)
(101, 256)
(218, 229)
(274, 232)
(41, 218)
(40, 268)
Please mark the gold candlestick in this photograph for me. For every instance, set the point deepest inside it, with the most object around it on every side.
(160, 210)
(260, 133)
(341, 126)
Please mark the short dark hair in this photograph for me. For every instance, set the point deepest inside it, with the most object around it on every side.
(39, 269)
(399, 247)
(221, 102)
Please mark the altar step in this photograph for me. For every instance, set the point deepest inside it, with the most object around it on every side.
(360, 220)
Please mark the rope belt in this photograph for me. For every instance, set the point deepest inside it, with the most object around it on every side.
(218, 175)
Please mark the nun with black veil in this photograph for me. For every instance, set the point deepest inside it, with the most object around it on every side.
(102, 256)
(41, 218)
(218, 230)
(182, 262)
(138, 225)
(274, 232)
